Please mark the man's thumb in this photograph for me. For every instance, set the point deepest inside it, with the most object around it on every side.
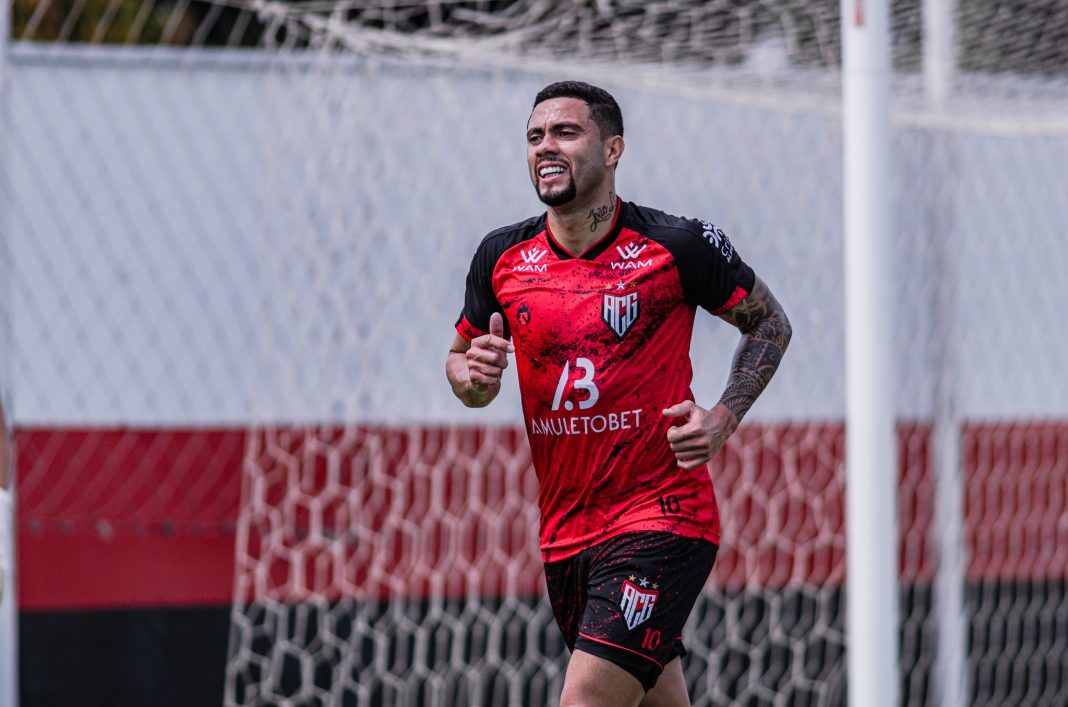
(497, 324)
(679, 409)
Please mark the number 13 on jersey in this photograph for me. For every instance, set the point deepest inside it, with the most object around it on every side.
(584, 383)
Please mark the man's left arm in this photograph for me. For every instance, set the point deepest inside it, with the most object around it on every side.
(766, 333)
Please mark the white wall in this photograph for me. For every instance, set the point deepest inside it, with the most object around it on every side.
(209, 238)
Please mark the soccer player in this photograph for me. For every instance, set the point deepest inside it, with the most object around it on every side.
(596, 299)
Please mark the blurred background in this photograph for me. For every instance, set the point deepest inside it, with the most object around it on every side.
(234, 241)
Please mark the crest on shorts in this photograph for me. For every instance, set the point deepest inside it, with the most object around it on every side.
(619, 312)
(638, 601)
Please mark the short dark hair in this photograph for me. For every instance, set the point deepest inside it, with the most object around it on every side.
(604, 111)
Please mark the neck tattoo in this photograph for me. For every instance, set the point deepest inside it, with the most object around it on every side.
(602, 213)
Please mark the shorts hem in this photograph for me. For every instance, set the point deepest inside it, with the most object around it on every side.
(622, 648)
(646, 671)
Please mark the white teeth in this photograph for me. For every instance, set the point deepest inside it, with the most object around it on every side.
(546, 171)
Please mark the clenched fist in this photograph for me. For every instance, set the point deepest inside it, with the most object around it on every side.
(702, 433)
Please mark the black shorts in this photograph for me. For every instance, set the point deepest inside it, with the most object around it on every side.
(626, 599)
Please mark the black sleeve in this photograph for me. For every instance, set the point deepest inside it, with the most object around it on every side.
(713, 275)
(479, 299)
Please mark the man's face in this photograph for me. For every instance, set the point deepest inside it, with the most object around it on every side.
(565, 152)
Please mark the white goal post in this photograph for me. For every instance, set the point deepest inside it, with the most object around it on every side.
(871, 456)
(8, 604)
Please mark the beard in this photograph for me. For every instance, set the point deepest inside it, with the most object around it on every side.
(561, 197)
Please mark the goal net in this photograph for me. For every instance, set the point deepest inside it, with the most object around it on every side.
(328, 168)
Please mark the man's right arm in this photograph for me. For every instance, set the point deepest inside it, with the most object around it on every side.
(474, 368)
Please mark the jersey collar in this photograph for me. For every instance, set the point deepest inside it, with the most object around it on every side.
(597, 248)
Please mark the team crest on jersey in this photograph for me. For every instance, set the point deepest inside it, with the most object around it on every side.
(619, 311)
(638, 601)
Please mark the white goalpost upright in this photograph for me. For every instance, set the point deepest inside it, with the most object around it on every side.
(939, 48)
(8, 614)
(948, 592)
(871, 466)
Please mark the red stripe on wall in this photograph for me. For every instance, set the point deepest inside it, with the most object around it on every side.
(114, 517)
(146, 517)
(86, 571)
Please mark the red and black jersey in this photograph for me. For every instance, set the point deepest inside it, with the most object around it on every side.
(602, 347)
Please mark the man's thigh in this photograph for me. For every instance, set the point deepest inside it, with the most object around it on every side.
(670, 688)
(592, 681)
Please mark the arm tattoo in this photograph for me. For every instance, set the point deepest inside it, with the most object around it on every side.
(602, 213)
(766, 333)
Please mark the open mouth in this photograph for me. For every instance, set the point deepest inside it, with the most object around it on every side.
(548, 172)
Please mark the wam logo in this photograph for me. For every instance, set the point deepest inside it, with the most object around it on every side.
(533, 255)
(629, 253)
(530, 260)
(631, 250)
